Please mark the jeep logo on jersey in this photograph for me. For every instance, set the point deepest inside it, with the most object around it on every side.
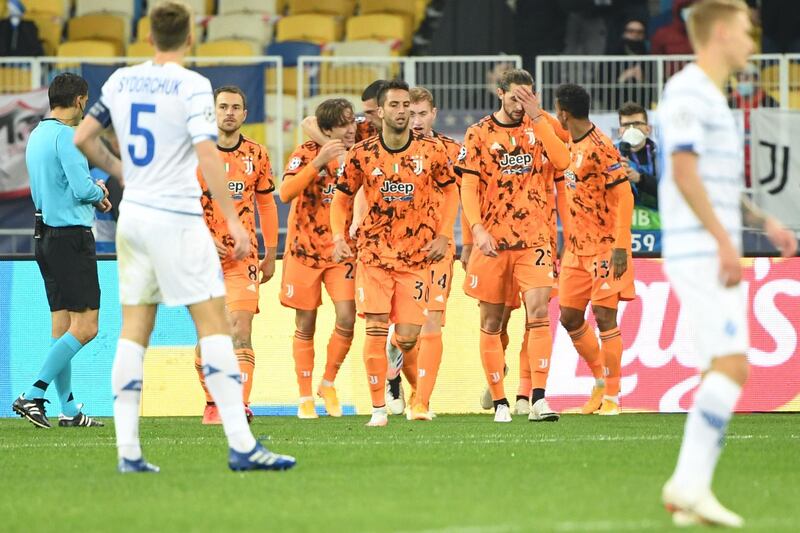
(390, 190)
(249, 167)
(327, 193)
(521, 160)
(236, 188)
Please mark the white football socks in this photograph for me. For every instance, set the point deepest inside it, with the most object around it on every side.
(126, 384)
(222, 380)
(704, 432)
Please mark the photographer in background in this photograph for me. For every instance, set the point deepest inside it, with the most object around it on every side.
(639, 152)
(639, 157)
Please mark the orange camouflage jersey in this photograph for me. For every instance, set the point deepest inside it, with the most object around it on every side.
(595, 168)
(364, 129)
(403, 189)
(248, 171)
(309, 236)
(509, 161)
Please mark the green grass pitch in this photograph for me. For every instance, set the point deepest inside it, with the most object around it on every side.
(457, 473)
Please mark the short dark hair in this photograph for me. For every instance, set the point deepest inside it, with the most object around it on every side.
(170, 24)
(332, 113)
(574, 99)
(394, 84)
(514, 76)
(372, 90)
(231, 89)
(632, 108)
(65, 88)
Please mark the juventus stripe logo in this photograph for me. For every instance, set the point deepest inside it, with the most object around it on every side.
(473, 281)
(289, 291)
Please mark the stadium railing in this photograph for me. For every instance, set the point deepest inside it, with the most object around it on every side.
(462, 86)
(613, 80)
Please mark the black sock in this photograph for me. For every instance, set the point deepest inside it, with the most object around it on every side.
(500, 402)
(521, 397)
(536, 395)
(394, 387)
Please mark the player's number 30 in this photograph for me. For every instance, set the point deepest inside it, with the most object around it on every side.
(138, 131)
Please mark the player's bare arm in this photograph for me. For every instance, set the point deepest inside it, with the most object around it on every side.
(622, 232)
(688, 182)
(782, 238)
(311, 129)
(341, 250)
(214, 173)
(87, 139)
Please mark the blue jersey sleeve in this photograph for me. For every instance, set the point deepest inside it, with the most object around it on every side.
(76, 169)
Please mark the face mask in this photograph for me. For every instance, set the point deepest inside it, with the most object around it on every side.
(685, 13)
(633, 136)
(745, 88)
(636, 47)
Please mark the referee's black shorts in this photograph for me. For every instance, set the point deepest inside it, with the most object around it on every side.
(68, 262)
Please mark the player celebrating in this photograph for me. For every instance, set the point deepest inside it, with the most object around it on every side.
(404, 231)
(164, 115)
(702, 224)
(249, 179)
(309, 183)
(504, 197)
(366, 126)
(596, 265)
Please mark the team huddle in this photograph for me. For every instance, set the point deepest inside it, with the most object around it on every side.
(374, 203)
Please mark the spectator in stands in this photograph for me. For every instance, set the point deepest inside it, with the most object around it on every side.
(673, 38)
(635, 80)
(747, 94)
(639, 152)
(18, 37)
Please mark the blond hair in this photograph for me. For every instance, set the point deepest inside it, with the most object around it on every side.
(170, 24)
(421, 94)
(703, 15)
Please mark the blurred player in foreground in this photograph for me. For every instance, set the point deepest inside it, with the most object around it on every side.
(702, 221)
(164, 117)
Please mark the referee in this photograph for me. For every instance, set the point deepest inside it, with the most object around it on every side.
(65, 197)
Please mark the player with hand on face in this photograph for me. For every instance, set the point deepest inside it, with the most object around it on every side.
(250, 186)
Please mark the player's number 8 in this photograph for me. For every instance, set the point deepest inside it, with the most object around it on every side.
(137, 130)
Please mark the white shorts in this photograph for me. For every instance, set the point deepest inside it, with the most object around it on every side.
(165, 257)
(718, 314)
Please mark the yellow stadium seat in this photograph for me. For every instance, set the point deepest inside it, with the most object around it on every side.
(3, 7)
(262, 7)
(14, 80)
(341, 8)
(50, 29)
(140, 49)
(111, 28)
(118, 7)
(255, 131)
(85, 50)
(53, 7)
(239, 26)
(364, 48)
(310, 104)
(224, 49)
(317, 29)
(289, 79)
(143, 29)
(392, 27)
(403, 7)
(349, 78)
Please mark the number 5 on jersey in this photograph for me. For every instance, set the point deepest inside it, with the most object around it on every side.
(137, 110)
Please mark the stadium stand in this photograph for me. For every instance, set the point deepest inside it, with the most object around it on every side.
(51, 28)
(111, 28)
(364, 48)
(289, 52)
(224, 48)
(380, 27)
(59, 8)
(341, 8)
(140, 49)
(86, 48)
(124, 8)
(315, 28)
(242, 27)
(263, 7)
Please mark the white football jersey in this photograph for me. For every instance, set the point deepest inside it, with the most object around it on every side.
(159, 112)
(694, 116)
